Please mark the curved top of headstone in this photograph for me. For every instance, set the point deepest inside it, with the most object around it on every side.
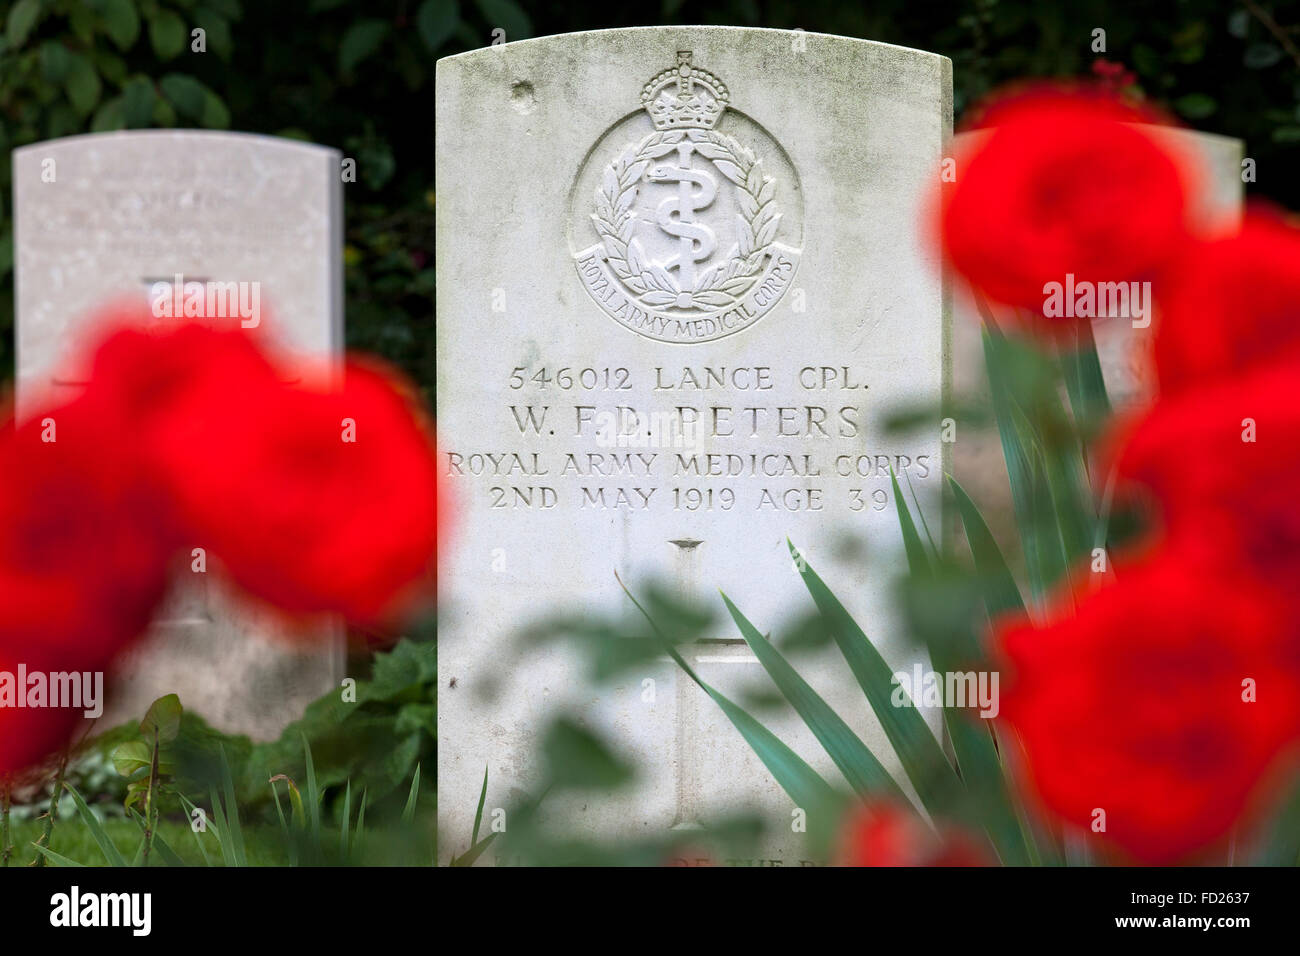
(103, 215)
(730, 34)
(192, 137)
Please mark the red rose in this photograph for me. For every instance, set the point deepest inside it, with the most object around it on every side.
(1114, 77)
(1131, 708)
(315, 500)
(1063, 183)
(1223, 464)
(883, 834)
(84, 555)
(262, 473)
(1232, 304)
(28, 735)
(84, 548)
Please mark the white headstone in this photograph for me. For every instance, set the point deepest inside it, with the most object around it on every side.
(707, 238)
(101, 216)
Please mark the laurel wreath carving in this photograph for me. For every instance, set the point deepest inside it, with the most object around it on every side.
(718, 286)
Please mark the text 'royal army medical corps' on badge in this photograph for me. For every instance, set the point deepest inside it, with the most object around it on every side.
(690, 231)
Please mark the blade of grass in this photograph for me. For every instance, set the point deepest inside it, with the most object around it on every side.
(861, 769)
(1282, 845)
(359, 839)
(292, 836)
(1084, 380)
(804, 786)
(1045, 548)
(917, 557)
(470, 856)
(920, 514)
(56, 858)
(1001, 595)
(312, 798)
(1019, 468)
(923, 760)
(482, 799)
(170, 857)
(981, 770)
(346, 822)
(106, 846)
(232, 813)
(189, 810)
(408, 812)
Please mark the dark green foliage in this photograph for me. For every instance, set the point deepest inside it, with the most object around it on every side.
(376, 742)
(359, 77)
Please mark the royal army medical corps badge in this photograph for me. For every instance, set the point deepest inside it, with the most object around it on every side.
(691, 231)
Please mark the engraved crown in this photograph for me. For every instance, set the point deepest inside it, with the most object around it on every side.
(685, 97)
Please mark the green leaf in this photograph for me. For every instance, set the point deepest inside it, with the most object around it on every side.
(290, 836)
(232, 826)
(111, 67)
(189, 809)
(508, 16)
(82, 23)
(918, 559)
(1085, 381)
(482, 799)
(217, 30)
(133, 756)
(919, 752)
(55, 61)
(360, 837)
(361, 41)
(23, 17)
(313, 795)
(1260, 56)
(167, 34)
(214, 114)
(170, 857)
(345, 823)
(217, 824)
(138, 102)
(989, 803)
(96, 829)
(56, 858)
(1239, 23)
(436, 20)
(1019, 466)
(1045, 549)
(81, 84)
(121, 22)
(855, 760)
(1281, 844)
(999, 586)
(230, 9)
(576, 758)
(408, 812)
(162, 718)
(804, 786)
(187, 93)
(1196, 106)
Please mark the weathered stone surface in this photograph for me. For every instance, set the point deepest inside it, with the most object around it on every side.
(559, 202)
(107, 215)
